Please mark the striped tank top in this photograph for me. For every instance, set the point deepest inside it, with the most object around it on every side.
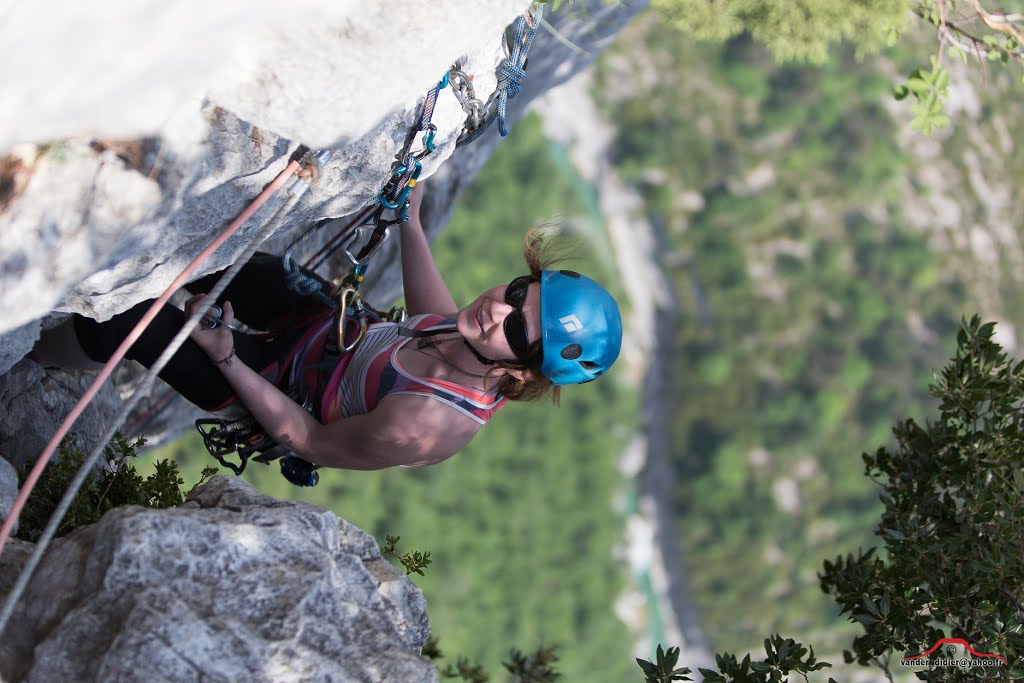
(374, 371)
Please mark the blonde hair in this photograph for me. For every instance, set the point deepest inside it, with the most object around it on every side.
(540, 254)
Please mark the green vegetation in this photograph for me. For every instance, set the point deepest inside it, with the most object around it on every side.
(519, 667)
(803, 30)
(783, 656)
(414, 561)
(808, 31)
(520, 525)
(809, 314)
(952, 530)
(116, 484)
(953, 521)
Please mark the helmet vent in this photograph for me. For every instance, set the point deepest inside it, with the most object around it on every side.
(587, 365)
(572, 352)
(569, 273)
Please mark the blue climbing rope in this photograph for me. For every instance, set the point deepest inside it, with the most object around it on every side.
(511, 74)
(513, 70)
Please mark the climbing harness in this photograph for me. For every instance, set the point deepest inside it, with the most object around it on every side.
(511, 73)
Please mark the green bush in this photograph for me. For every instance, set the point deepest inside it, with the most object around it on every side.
(117, 483)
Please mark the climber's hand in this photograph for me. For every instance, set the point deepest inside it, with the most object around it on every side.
(216, 342)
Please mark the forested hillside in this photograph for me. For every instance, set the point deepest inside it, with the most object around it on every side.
(813, 309)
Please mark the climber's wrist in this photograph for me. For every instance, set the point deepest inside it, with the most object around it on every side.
(412, 222)
(226, 360)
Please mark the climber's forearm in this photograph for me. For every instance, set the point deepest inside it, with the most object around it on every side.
(373, 441)
(425, 290)
(281, 417)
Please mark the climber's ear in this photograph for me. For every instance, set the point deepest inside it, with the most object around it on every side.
(521, 374)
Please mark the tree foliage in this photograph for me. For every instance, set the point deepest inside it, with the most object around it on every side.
(116, 484)
(794, 30)
(952, 532)
(806, 30)
(953, 525)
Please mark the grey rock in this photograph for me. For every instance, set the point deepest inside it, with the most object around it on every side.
(233, 586)
(33, 402)
(8, 489)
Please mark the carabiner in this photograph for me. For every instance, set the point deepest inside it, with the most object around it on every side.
(396, 314)
(349, 298)
(221, 439)
(399, 201)
(372, 245)
(428, 140)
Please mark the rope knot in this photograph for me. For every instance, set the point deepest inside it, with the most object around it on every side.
(297, 282)
(510, 78)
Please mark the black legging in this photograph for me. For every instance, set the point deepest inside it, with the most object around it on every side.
(259, 298)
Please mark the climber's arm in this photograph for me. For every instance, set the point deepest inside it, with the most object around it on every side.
(402, 430)
(425, 290)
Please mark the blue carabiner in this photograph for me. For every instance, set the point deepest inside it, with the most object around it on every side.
(382, 198)
(444, 81)
(399, 202)
(428, 139)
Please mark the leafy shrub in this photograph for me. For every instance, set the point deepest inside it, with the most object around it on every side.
(116, 484)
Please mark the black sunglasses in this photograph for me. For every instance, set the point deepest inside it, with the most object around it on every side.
(515, 322)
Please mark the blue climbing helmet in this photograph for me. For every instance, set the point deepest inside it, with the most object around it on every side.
(581, 328)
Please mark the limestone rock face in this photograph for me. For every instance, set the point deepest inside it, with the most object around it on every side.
(114, 208)
(33, 403)
(233, 586)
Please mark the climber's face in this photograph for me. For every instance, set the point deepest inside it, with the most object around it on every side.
(503, 321)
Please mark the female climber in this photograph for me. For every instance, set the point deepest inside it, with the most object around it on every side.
(411, 393)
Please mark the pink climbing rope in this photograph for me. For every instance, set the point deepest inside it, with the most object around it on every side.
(132, 337)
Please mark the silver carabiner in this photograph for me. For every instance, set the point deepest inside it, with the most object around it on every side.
(373, 251)
(214, 317)
(396, 314)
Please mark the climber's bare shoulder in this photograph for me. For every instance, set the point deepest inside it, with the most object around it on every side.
(402, 430)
